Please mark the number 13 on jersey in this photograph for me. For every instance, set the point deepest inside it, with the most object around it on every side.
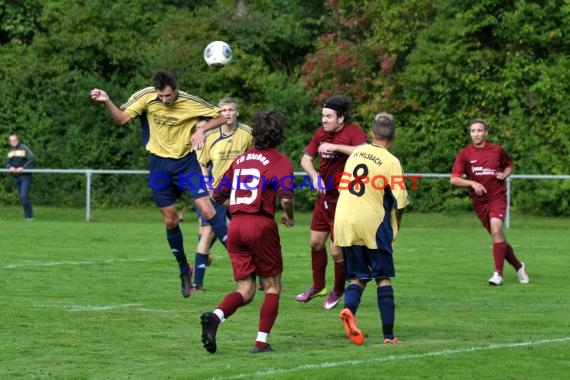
(245, 181)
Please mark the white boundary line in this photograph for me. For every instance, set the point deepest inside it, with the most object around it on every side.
(86, 262)
(389, 358)
(132, 306)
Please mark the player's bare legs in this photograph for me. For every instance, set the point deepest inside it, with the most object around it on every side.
(170, 216)
(207, 237)
(497, 233)
(206, 207)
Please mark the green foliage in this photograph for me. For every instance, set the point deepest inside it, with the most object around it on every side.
(18, 20)
(497, 60)
(435, 64)
(365, 44)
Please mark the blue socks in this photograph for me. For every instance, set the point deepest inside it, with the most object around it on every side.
(218, 224)
(352, 295)
(386, 305)
(174, 237)
(200, 263)
(387, 309)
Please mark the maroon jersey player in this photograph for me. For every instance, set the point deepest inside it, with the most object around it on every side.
(252, 183)
(331, 145)
(483, 167)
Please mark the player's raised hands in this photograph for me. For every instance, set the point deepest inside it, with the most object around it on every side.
(99, 95)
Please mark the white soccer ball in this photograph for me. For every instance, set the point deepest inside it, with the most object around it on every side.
(217, 54)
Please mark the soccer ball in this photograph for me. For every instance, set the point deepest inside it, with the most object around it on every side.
(217, 54)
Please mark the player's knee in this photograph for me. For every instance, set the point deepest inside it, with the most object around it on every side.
(317, 245)
(248, 295)
(497, 235)
(171, 221)
(208, 234)
(207, 210)
(337, 256)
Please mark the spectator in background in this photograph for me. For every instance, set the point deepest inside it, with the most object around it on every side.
(20, 158)
(485, 167)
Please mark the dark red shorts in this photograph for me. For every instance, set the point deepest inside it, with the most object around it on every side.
(254, 246)
(496, 208)
(323, 216)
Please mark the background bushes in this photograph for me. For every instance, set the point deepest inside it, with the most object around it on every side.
(435, 64)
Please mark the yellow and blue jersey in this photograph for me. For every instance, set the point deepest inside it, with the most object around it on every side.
(169, 127)
(219, 151)
(371, 188)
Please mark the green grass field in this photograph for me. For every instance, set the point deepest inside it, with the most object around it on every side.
(101, 300)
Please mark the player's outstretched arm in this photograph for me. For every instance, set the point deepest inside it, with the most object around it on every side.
(120, 116)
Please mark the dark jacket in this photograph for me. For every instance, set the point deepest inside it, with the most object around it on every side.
(20, 156)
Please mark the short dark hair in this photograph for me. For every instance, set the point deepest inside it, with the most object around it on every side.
(268, 129)
(341, 104)
(479, 121)
(162, 79)
(384, 126)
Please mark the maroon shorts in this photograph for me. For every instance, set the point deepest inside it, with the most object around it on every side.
(254, 246)
(496, 208)
(323, 216)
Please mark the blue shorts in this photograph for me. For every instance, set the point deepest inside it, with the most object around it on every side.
(220, 210)
(367, 264)
(170, 177)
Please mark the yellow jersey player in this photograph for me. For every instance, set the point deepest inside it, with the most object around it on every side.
(169, 118)
(373, 184)
(221, 146)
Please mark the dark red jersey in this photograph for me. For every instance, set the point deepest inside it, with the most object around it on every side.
(331, 164)
(482, 165)
(253, 181)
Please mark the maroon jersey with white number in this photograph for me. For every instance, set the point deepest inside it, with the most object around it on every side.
(482, 165)
(253, 181)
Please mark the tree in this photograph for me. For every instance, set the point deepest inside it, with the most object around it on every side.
(502, 61)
